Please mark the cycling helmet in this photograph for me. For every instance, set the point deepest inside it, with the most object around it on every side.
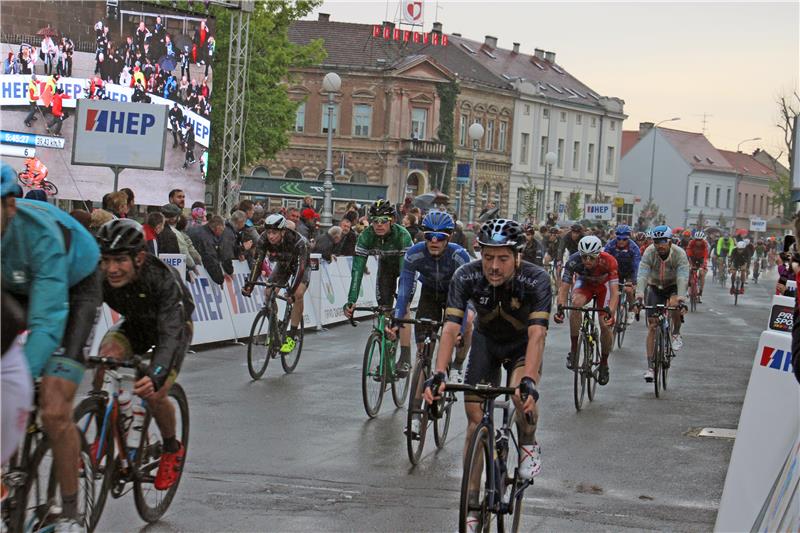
(9, 186)
(661, 232)
(623, 230)
(640, 236)
(648, 234)
(275, 221)
(555, 230)
(746, 242)
(741, 245)
(576, 227)
(699, 234)
(590, 245)
(687, 233)
(381, 208)
(121, 235)
(502, 232)
(438, 221)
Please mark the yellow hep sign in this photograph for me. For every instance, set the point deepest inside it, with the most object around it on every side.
(619, 201)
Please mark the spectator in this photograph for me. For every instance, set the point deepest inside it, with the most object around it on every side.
(10, 64)
(117, 204)
(69, 50)
(347, 244)
(198, 216)
(83, 216)
(410, 223)
(206, 240)
(249, 209)
(193, 259)
(307, 225)
(48, 53)
(460, 238)
(27, 59)
(308, 203)
(248, 238)
(200, 40)
(36, 194)
(293, 215)
(57, 110)
(229, 242)
(167, 240)
(153, 226)
(469, 235)
(188, 141)
(327, 242)
(177, 197)
(131, 201)
(98, 218)
(175, 122)
(212, 46)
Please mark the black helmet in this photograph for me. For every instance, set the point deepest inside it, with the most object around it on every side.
(119, 236)
(381, 208)
(502, 232)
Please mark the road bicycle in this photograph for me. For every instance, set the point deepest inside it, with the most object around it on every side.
(662, 345)
(37, 181)
(737, 284)
(693, 289)
(621, 321)
(378, 371)
(552, 271)
(120, 465)
(439, 417)
(756, 269)
(267, 334)
(723, 272)
(491, 464)
(33, 501)
(586, 360)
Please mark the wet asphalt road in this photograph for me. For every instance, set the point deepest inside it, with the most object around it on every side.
(297, 452)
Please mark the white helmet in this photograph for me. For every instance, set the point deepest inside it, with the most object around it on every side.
(590, 245)
(275, 221)
(741, 245)
(746, 241)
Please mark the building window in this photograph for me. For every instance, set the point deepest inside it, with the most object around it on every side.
(719, 195)
(501, 137)
(761, 204)
(593, 122)
(753, 207)
(610, 160)
(526, 110)
(546, 113)
(293, 174)
(625, 214)
(560, 163)
(738, 202)
(485, 194)
(612, 125)
(543, 150)
(708, 193)
(300, 118)
(362, 118)
(325, 118)
(578, 119)
(490, 135)
(587, 199)
(576, 155)
(590, 160)
(523, 149)
(563, 116)
(556, 200)
(728, 199)
(359, 177)
(419, 119)
(498, 195)
(696, 192)
(462, 135)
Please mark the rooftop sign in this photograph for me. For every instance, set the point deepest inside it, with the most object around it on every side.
(388, 33)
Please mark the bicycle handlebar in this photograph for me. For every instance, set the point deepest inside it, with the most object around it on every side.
(480, 390)
(370, 309)
(639, 307)
(271, 285)
(591, 309)
(135, 362)
(419, 322)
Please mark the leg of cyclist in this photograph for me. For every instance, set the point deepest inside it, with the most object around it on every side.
(579, 299)
(466, 341)
(654, 297)
(701, 280)
(674, 301)
(297, 311)
(608, 295)
(530, 451)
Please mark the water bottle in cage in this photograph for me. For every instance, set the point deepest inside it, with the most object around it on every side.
(135, 433)
(125, 410)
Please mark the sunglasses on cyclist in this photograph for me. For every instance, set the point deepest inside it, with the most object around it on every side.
(660, 241)
(380, 220)
(589, 257)
(623, 238)
(438, 235)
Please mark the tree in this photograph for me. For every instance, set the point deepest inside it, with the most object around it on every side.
(788, 109)
(447, 91)
(269, 112)
(530, 195)
(781, 190)
(648, 216)
(701, 220)
(573, 205)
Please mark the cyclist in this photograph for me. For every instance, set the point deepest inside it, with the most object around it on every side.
(738, 261)
(697, 253)
(568, 243)
(760, 255)
(686, 236)
(725, 246)
(751, 250)
(156, 309)
(49, 265)
(664, 270)
(291, 253)
(35, 171)
(385, 236)
(597, 277)
(533, 251)
(551, 244)
(627, 254)
(512, 304)
(641, 240)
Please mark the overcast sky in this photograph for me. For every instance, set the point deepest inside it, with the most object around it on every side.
(728, 60)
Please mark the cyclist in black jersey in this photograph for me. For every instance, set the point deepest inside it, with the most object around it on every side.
(512, 303)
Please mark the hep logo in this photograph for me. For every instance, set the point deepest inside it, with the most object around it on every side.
(118, 122)
(777, 359)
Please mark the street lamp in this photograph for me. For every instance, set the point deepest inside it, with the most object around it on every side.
(747, 141)
(331, 84)
(475, 133)
(653, 156)
(549, 160)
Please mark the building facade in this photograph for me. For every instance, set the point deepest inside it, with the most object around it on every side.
(754, 196)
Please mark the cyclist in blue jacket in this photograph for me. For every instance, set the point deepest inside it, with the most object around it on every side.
(49, 265)
(628, 255)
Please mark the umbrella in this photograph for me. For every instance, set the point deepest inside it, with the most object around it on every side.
(47, 31)
(429, 199)
(489, 215)
(741, 232)
(167, 63)
(182, 41)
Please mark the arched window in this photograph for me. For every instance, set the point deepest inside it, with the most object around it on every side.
(321, 176)
(359, 177)
(293, 174)
(498, 194)
(485, 193)
(260, 172)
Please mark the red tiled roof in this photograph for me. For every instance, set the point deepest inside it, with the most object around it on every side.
(696, 150)
(748, 165)
(629, 139)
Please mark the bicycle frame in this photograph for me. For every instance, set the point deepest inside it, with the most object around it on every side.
(379, 325)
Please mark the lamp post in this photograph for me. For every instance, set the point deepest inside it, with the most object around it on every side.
(549, 160)
(331, 84)
(747, 141)
(475, 133)
(653, 156)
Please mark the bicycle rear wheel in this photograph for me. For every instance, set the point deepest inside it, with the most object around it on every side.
(49, 188)
(289, 360)
(89, 417)
(152, 503)
(579, 375)
(373, 377)
(259, 347)
(593, 366)
(735, 286)
(474, 504)
(417, 410)
(658, 357)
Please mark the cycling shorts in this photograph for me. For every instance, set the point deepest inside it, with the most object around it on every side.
(386, 287)
(602, 292)
(17, 398)
(132, 343)
(431, 306)
(282, 273)
(697, 262)
(487, 356)
(656, 296)
(626, 277)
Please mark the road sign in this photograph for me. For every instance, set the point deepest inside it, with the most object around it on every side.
(757, 224)
(597, 211)
(9, 150)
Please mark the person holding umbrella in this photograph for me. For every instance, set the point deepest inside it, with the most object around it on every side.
(188, 139)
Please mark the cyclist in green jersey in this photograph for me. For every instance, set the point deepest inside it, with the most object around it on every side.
(382, 235)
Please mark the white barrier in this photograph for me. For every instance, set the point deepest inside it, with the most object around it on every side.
(14, 92)
(760, 492)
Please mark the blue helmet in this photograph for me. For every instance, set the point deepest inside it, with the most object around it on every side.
(623, 230)
(662, 232)
(438, 221)
(8, 182)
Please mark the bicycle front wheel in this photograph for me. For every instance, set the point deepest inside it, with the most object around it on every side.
(622, 320)
(373, 377)
(658, 358)
(90, 416)
(592, 365)
(441, 425)
(152, 503)
(399, 385)
(49, 188)
(259, 347)
(417, 411)
(579, 375)
(735, 286)
(289, 360)
(512, 482)
(476, 482)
